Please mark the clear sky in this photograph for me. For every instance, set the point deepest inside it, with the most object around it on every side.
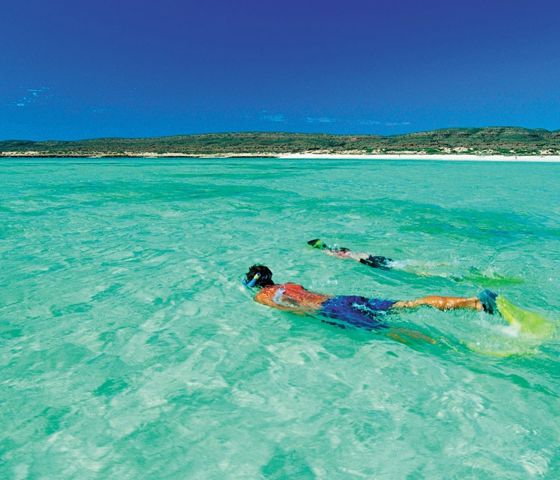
(88, 68)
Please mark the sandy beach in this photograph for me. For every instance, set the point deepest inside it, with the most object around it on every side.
(441, 157)
(304, 156)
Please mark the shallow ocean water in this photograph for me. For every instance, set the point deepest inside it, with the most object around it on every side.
(129, 348)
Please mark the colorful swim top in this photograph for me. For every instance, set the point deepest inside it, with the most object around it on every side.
(291, 295)
(361, 312)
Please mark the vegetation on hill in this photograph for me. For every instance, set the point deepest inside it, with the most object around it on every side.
(484, 141)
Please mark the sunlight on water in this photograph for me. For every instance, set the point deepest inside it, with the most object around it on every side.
(130, 350)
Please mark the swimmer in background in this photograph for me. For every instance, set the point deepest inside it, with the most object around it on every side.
(380, 262)
(352, 310)
(375, 261)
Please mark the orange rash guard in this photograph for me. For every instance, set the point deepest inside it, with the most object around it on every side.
(292, 297)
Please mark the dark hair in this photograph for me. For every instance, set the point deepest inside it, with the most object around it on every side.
(265, 275)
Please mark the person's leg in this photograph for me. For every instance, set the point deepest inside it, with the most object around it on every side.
(442, 303)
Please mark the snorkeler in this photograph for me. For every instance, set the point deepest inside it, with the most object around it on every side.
(375, 261)
(418, 268)
(361, 312)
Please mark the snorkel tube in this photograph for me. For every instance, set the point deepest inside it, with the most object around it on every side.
(252, 282)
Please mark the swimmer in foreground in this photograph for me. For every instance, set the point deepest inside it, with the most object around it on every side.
(357, 311)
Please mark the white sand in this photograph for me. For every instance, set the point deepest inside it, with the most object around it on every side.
(318, 156)
(412, 156)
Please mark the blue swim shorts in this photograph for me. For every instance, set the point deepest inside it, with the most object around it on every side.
(357, 311)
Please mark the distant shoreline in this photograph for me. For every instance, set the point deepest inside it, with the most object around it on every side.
(507, 144)
(303, 156)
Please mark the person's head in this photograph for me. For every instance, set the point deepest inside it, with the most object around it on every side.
(316, 243)
(259, 276)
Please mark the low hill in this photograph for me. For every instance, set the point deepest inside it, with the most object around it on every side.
(483, 141)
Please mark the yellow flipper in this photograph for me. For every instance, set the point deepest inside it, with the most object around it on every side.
(529, 323)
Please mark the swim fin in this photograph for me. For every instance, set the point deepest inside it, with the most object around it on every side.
(529, 323)
(317, 243)
(488, 280)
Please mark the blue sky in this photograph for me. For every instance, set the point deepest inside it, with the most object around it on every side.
(77, 69)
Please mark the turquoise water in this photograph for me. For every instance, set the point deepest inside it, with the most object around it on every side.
(129, 350)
